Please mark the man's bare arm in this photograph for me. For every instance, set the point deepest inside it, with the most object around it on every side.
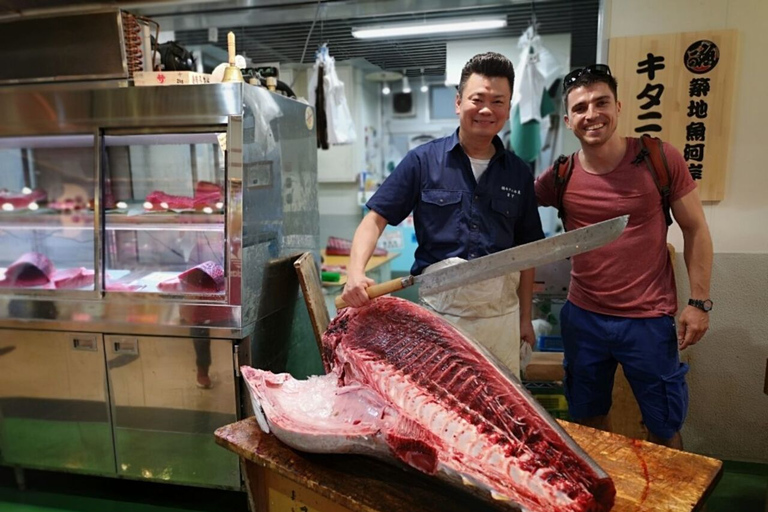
(363, 245)
(698, 254)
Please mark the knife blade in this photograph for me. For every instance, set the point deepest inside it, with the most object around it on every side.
(500, 263)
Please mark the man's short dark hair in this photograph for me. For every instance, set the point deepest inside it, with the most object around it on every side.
(489, 64)
(588, 79)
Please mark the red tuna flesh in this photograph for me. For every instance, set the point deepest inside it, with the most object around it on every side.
(72, 278)
(206, 194)
(20, 199)
(207, 277)
(341, 247)
(30, 269)
(405, 384)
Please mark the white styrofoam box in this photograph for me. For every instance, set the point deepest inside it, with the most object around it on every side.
(142, 78)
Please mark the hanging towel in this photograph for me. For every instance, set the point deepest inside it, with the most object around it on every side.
(341, 127)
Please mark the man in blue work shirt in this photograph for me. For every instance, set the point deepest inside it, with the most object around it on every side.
(469, 197)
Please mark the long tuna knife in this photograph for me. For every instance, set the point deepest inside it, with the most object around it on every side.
(501, 263)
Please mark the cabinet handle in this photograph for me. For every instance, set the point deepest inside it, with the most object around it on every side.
(126, 346)
(236, 359)
(84, 342)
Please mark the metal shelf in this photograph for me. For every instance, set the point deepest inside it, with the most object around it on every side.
(165, 221)
(115, 221)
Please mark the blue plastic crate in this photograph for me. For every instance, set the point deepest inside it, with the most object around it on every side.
(550, 344)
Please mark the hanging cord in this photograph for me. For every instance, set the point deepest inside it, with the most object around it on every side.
(306, 43)
(534, 22)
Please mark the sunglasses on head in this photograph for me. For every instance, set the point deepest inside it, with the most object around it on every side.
(594, 69)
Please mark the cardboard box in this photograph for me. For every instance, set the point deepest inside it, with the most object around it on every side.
(545, 366)
(141, 78)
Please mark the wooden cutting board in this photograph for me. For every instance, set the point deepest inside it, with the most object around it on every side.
(648, 477)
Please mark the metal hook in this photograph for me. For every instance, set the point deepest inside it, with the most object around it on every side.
(534, 22)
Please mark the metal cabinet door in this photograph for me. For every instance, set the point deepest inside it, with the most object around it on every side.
(53, 402)
(164, 415)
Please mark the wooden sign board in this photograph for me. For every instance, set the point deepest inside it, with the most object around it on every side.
(680, 87)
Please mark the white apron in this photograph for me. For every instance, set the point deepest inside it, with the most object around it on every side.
(488, 311)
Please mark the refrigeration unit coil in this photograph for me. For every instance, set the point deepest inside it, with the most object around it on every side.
(67, 46)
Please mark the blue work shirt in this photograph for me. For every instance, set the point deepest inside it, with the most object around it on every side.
(453, 214)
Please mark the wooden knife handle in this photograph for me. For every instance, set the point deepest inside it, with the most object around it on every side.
(377, 290)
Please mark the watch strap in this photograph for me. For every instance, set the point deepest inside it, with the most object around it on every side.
(704, 305)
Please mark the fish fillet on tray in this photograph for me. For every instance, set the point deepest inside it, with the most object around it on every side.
(405, 385)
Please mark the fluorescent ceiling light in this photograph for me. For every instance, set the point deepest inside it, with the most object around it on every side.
(424, 87)
(427, 28)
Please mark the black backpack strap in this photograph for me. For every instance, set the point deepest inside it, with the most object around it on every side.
(563, 170)
(652, 152)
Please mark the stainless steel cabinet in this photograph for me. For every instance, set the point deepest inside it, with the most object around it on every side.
(167, 396)
(54, 410)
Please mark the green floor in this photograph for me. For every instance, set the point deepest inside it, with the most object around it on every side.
(742, 488)
(60, 492)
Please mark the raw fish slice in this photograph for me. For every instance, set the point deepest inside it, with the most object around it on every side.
(120, 287)
(72, 278)
(30, 269)
(342, 247)
(207, 277)
(160, 199)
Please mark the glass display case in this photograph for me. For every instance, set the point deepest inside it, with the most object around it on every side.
(47, 188)
(147, 239)
(164, 231)
(168, 216)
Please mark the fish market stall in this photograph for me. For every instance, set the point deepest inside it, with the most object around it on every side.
(147, 236)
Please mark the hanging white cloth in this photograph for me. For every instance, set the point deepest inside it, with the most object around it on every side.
(530, 86)
(260, 100)
(341, 127)
(537, 69)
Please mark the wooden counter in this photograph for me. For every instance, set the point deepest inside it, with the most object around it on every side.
(373, 264)
(648, 477)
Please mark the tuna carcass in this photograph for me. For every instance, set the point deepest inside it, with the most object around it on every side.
(404, 384)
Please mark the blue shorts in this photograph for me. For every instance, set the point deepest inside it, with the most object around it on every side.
(647, 350)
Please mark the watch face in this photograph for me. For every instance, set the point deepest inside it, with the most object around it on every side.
(706, 305)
